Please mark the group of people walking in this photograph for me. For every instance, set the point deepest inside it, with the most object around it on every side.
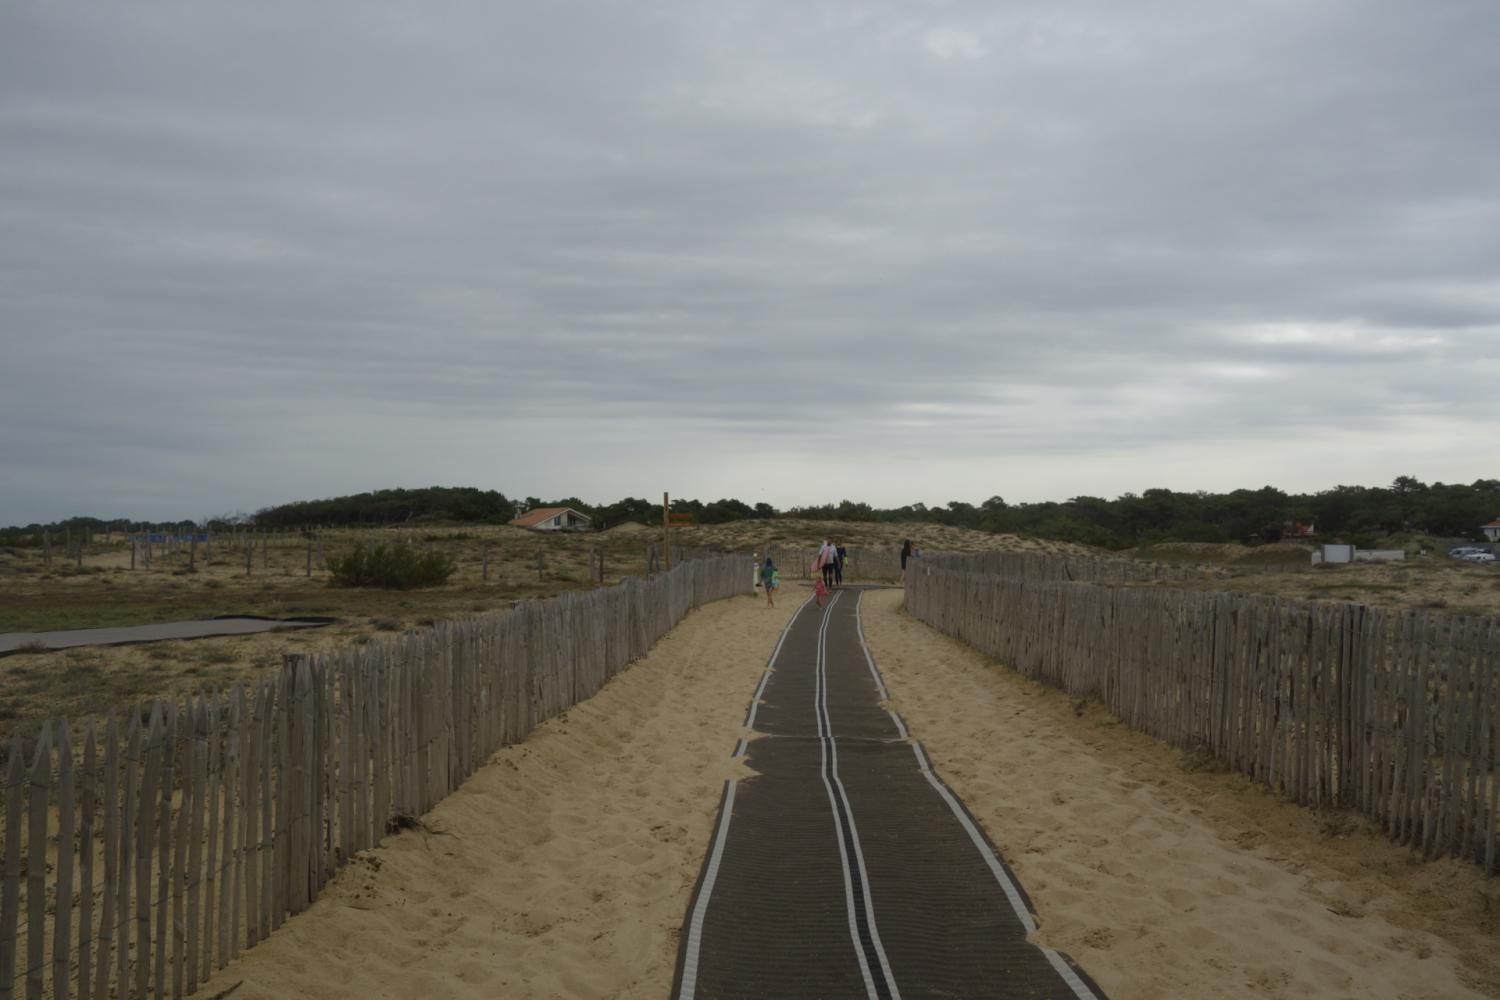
(827, 568)
(830, 564)
(828, 571)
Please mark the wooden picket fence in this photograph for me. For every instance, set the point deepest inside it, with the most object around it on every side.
(1392, 713)
(149, 854)
(863, 564)
(1037, 566)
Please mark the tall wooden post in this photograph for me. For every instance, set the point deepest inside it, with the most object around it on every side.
(484, 562)
(666, 530)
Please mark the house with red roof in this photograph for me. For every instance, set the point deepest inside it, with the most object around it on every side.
(552, 519)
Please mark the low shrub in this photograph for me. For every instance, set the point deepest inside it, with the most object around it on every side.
(398, 567)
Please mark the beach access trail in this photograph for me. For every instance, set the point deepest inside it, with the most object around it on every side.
(567, 867)
(845, 867)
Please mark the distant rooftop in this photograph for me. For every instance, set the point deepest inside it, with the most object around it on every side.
(540, 514)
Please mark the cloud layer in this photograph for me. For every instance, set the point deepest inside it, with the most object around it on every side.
(888, 251)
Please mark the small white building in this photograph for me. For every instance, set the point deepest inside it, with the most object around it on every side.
(1491, 530)
(553, 519)
(1350, 554)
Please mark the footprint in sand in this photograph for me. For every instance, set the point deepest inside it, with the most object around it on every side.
(1101, 938)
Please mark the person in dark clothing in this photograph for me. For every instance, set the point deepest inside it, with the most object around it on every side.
(839, 555)
(905, 555)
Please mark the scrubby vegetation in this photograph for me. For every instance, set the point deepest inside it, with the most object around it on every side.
(396, 567)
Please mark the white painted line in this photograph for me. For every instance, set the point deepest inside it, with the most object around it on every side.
(695, 926)
(1011, 892)
(766, 675)
(823, 741)
(1007, 885)
(870, 662)
(1079, 987)
(825, 725)
(859, 626)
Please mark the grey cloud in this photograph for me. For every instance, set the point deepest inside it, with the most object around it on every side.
(370, 245)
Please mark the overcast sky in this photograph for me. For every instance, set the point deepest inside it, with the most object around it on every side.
(792, 252)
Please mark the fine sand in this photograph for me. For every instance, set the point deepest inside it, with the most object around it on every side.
(560, 869)
(563, 868)
(1167, 882)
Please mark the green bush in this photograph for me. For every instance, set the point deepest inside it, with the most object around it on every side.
(398, 567)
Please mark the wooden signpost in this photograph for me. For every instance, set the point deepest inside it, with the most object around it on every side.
(669, 520)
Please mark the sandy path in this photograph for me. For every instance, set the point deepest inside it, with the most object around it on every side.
(1165, 882)
(564, 866)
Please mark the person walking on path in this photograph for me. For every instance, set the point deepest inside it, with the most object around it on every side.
(826, 557)
(905, 555)
(768, 575)
(839, 555)
(820, 588)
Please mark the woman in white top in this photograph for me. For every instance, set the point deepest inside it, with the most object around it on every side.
(827, 556)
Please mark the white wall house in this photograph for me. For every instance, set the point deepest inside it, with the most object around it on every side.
(553, 519)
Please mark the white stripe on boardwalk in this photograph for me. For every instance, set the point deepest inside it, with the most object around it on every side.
(1007, 885)
(695, 926)
(830, 745)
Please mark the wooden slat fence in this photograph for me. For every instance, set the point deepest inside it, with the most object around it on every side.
(1037, 566)
(1391, 713)
(188, 832)
(863, 564)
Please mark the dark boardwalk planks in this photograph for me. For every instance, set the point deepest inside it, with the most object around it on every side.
(844, 867)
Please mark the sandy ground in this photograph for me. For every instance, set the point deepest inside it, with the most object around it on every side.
(1167, 882)
(563, 867)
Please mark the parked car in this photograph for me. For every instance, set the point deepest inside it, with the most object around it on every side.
(1464, 551)
(1480, 557)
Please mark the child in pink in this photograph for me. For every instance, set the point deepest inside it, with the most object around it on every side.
(820, 589)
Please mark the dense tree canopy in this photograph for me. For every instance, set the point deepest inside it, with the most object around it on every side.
(435, 503)
(1352, 513)
(1357, 513)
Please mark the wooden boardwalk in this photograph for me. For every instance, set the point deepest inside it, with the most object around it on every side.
(845, 868)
